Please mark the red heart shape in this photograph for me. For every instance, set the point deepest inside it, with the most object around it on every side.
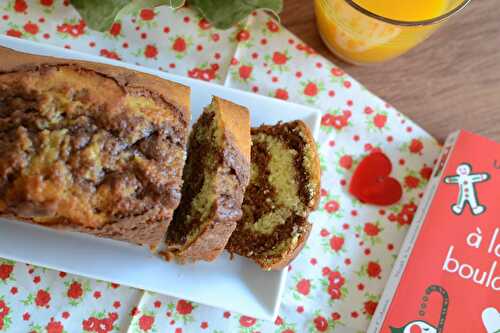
(371, 182)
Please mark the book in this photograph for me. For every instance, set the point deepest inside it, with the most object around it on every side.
(447, 275)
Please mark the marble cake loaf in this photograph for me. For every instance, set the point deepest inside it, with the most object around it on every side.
(90, 147)
(216, 174)
(284, 188)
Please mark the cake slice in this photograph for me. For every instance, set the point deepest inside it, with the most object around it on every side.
(90, 147)
(216, 174)
(284, 188)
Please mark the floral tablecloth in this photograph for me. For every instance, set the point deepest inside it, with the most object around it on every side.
(335, 283)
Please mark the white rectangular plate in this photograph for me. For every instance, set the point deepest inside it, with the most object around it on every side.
(238, 285)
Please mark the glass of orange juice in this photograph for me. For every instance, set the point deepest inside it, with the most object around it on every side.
(372, 31)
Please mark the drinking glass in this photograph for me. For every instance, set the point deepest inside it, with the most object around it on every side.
(360, 36)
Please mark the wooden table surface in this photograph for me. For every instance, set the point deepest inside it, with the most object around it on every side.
(450, 81)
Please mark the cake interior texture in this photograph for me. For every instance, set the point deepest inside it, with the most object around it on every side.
(283, 189)
(80, 151)
(215, 177)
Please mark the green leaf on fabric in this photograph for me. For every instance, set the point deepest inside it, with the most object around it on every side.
(223, 14)
(137, 5)
(98, 14)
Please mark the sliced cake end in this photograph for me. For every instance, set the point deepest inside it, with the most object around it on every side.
(284, 188)
(90, 147)
(216, 174)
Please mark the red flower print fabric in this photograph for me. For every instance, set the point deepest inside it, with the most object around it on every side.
(335, 283)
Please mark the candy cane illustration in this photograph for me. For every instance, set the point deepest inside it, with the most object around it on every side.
(421, 326)
(467, 193)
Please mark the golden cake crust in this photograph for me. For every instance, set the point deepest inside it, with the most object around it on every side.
(236, 121)
(174, 93)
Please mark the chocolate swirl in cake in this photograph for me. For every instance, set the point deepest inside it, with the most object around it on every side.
(283, 189)
(89, 147)
(215, 177)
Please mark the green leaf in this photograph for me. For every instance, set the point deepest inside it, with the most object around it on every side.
(98, 14)
(136, 5)
(225, 13)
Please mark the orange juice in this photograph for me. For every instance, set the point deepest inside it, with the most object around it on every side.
(359, 38)
(406, 10)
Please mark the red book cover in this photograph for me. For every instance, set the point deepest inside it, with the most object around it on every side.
(447, 275)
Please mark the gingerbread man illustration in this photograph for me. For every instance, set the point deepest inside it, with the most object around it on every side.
(467, 193)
